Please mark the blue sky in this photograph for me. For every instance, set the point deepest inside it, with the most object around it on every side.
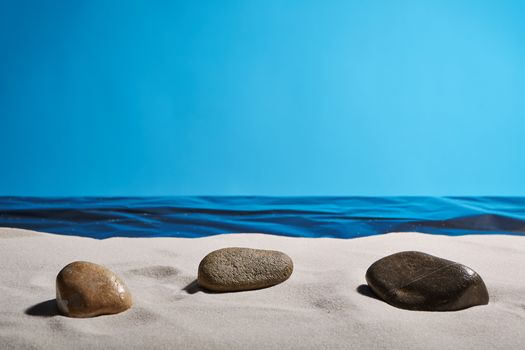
(262, 98)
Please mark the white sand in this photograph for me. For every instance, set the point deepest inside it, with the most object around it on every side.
(319, 307)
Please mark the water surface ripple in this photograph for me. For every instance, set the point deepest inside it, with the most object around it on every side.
(339, 217)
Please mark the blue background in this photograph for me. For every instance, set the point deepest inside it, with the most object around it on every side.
(262, 97)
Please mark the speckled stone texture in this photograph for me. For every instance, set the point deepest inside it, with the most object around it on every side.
(85, 289)
(418, 281)
(238, 269)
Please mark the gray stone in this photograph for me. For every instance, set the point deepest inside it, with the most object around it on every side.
(237, 269)
(419, 281)
(85, 289)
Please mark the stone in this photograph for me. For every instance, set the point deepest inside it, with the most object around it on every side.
(85, 289)
(418, 281)
(237, 269)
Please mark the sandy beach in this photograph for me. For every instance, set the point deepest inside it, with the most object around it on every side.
(324, 305)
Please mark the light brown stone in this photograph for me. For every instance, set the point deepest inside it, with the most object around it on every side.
(237, 269)
(85, 289)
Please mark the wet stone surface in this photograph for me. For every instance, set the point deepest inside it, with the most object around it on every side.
(418, 281)
(85, 289)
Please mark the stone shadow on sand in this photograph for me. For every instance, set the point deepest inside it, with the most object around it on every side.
(194, 287)
(365, 290)
(46, 308)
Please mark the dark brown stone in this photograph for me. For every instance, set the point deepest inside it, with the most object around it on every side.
(419, 281)
(237, 269)
(86, 289)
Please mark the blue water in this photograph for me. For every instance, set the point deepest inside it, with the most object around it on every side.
(341, 217)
